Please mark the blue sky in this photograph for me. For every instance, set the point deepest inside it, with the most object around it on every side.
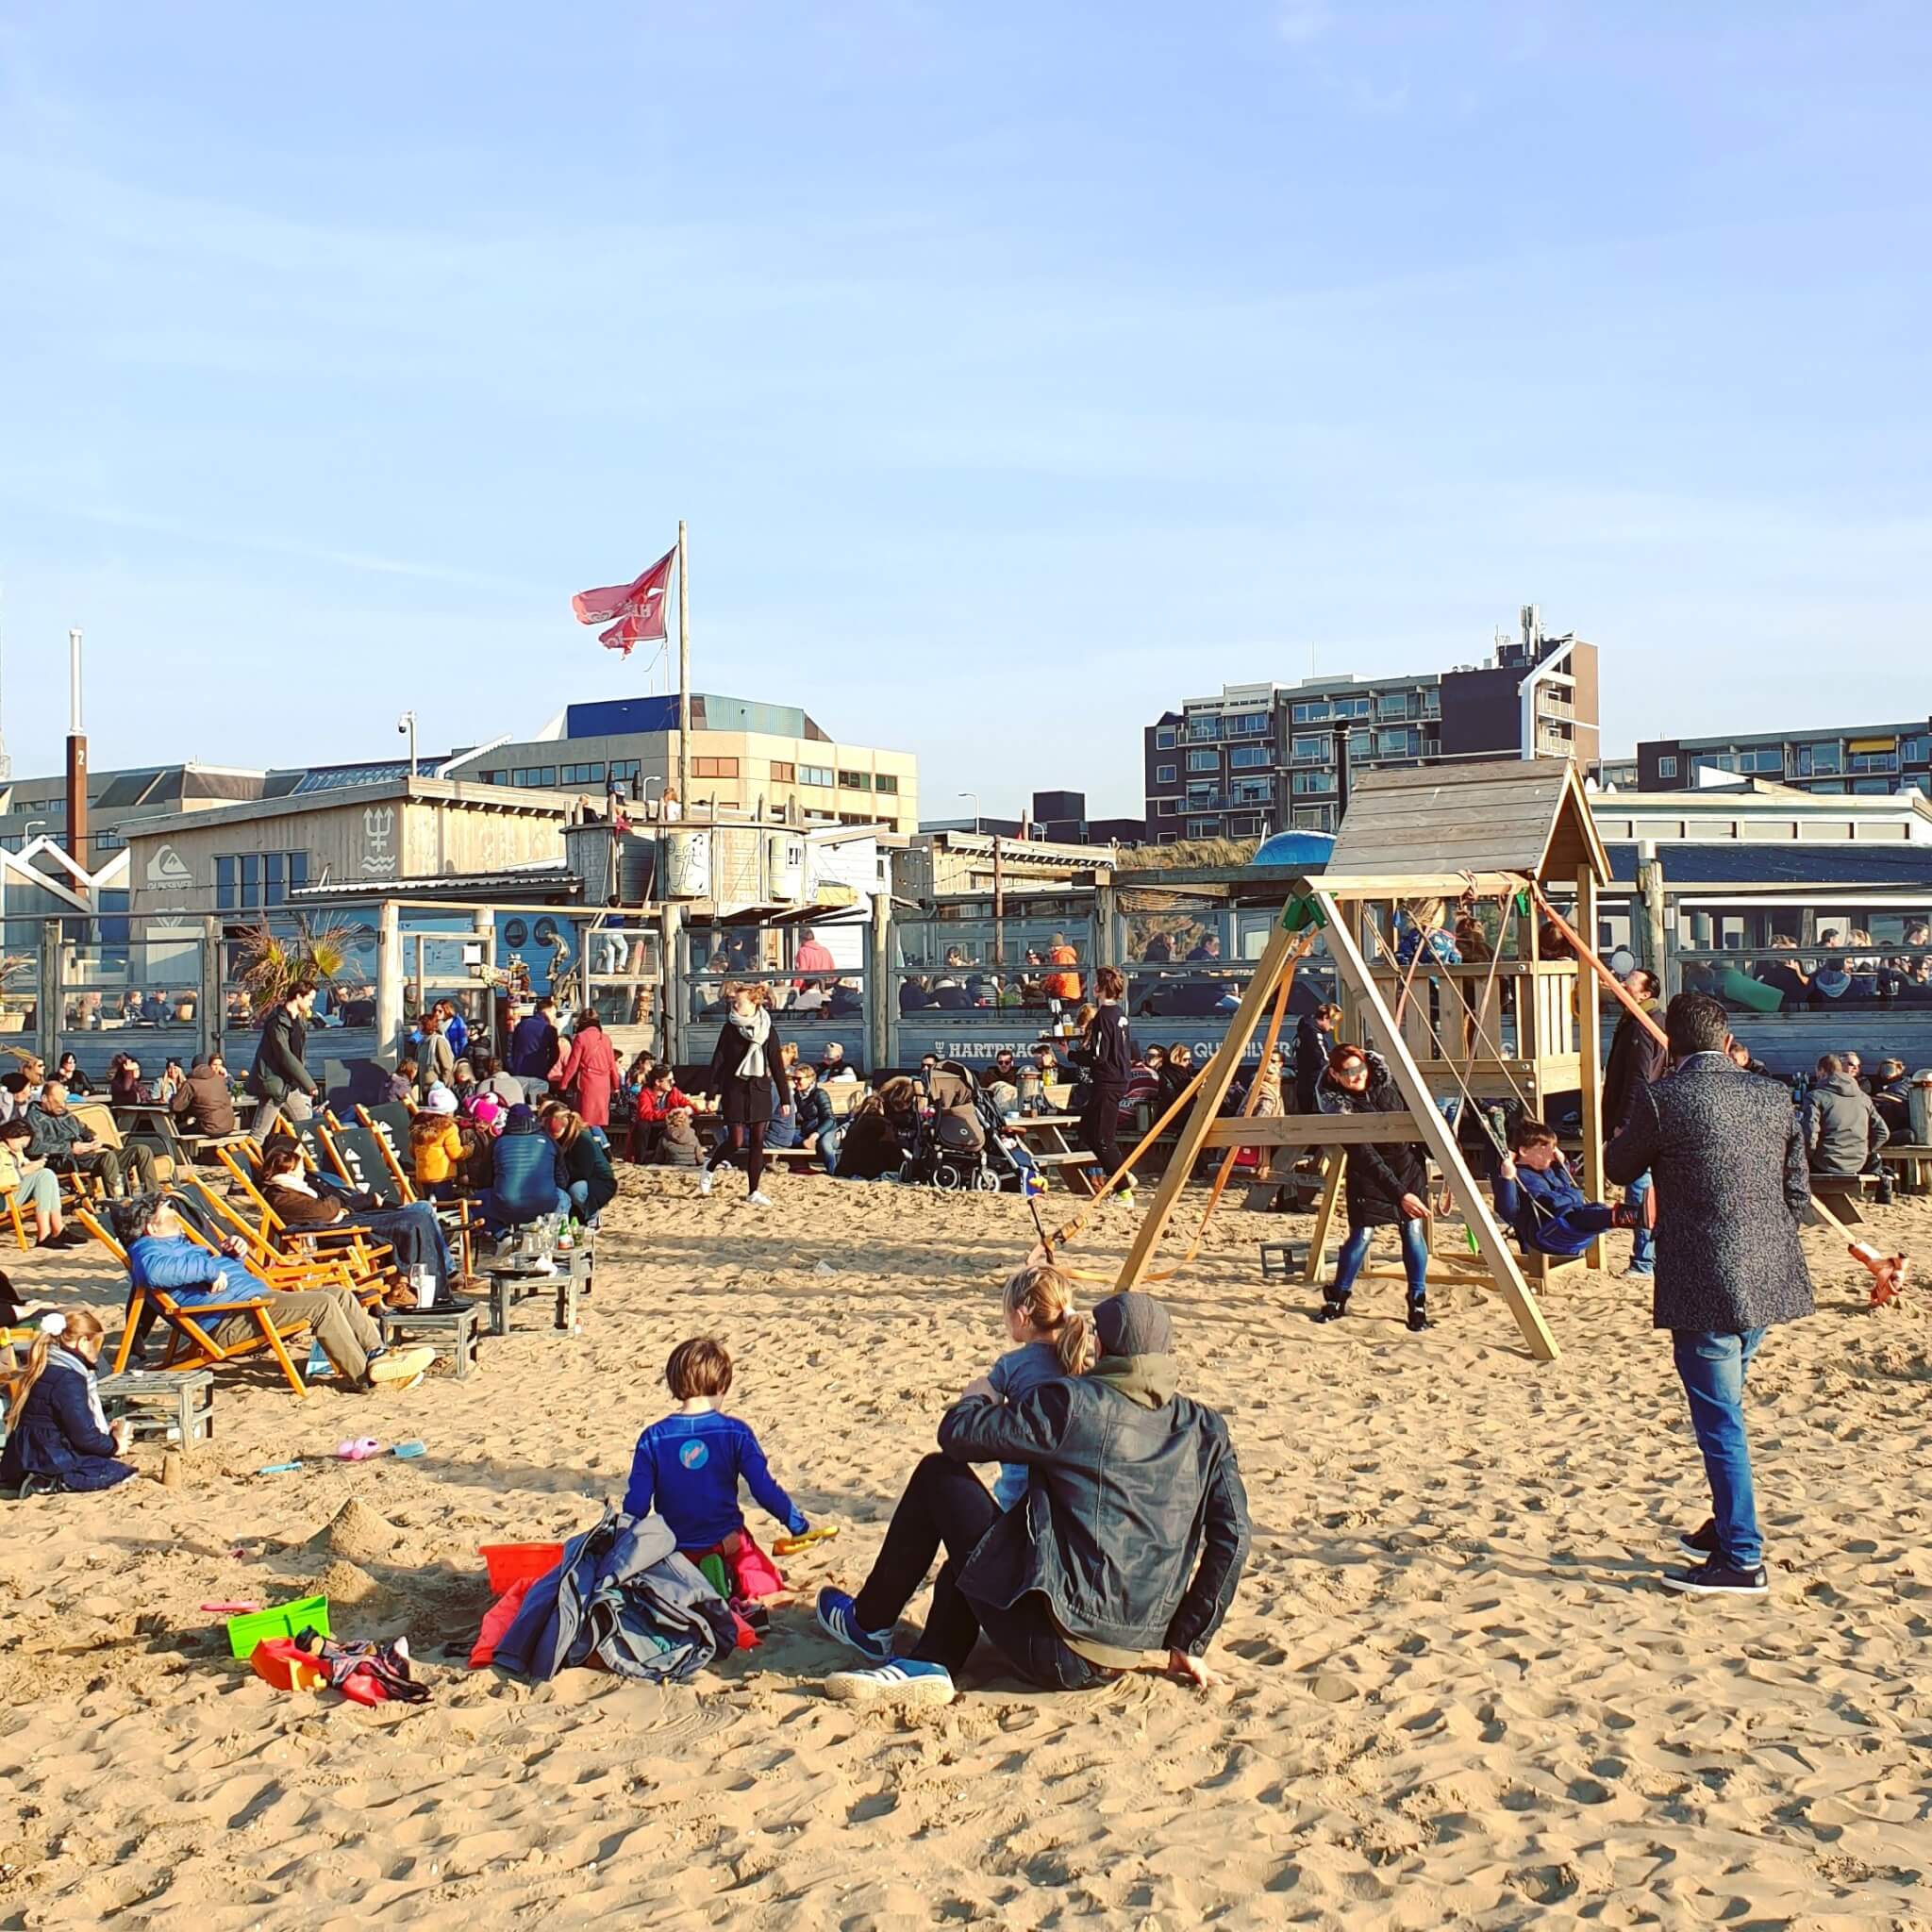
(1021, 369)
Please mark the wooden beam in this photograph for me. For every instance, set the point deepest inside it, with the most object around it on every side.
(1410, 885)
(1309, 1129)
(1590, 1053)
(1335, 1167)
(1282, 948)
(1351, 969)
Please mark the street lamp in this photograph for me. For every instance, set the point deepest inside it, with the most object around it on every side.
(975, 797)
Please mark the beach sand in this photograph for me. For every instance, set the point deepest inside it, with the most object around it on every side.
(1453, 1696)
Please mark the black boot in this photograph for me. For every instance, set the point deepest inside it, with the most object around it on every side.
(1418, 1315)
(1332, 1310)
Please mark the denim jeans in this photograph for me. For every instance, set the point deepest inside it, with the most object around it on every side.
(1643, 1246)
(828, 1146)
(1711, 1368)
(1355, 1251)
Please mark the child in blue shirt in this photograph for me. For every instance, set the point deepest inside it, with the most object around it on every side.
(1053, 1342)
(1538, 1197)
(687, 1466)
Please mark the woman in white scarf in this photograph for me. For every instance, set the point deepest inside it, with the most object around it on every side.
(744, 1068)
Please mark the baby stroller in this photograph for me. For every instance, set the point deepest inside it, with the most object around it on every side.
(962, 1144)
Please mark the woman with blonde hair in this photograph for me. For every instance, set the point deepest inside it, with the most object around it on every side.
(745, 1073)
(57, 1436)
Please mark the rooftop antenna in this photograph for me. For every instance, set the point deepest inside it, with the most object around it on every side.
(76, 758)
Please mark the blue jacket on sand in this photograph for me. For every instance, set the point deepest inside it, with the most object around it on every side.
(687, 1468)
(624, 1599)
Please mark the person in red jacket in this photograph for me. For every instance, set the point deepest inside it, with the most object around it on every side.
(657, 1100)
(591, 1072)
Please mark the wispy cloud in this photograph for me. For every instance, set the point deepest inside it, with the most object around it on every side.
(1300, 21)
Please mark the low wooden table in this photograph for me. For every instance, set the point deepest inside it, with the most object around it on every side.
(1054, 1149)
(172, 1403)
(517, 1278)
(459, 1325)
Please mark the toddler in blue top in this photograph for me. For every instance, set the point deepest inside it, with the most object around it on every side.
(1053, 1340)
(687, 1466)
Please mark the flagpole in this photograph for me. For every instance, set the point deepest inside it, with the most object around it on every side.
(683, 673)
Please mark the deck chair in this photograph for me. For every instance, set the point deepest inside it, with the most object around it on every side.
(365, 1260)
(388, 1128)
(191, 1342)
(12, 1200)
(362, 1158)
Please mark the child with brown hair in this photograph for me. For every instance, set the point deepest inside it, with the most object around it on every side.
(57, 1437)
(687, 1466)
(1538, 1197)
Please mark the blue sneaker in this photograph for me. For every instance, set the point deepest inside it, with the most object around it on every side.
(902, 1681)
(836, 1620)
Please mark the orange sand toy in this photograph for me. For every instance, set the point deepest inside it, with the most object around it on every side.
(280, 1662)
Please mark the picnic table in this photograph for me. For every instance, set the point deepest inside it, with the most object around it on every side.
(1045, 1139)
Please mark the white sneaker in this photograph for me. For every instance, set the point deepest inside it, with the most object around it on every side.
(758, 1198)
(899, 1682)
(703, 1180)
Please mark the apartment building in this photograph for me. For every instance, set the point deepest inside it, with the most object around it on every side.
(744, 756)
(1861, 758)
(1263, 757)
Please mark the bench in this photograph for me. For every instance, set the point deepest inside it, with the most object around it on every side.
(458, 1324)
(1913, 1160)
(179, 1406)
(1841, 1193)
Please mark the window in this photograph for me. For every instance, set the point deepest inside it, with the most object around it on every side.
(1915, 750)
(1166, 774)
(1767, 758)
(1311, 818)
(1248, 757)
(1432, 704)
(1819, 760)
(886, 782)
(252, 881)
(1878, 785)
(1167, 808)
(815, 775)
(1204, 761)
(1667, 768)
(108, 841)
(1360, 743)
(1246, 828)
(623, 771)
(1352, 707)
(1253, 791)
(1204, 828)
(714, 768)
(784, 774)
(1312, 712)
(1399, 742)
(1871, 761)
(1309, 751)
(1392, 704)
(1250, 723)
(1199, 729)
(582, 775)
(855, 781)
(1304, 783)
(1163, 738)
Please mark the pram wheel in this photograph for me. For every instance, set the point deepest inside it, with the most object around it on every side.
(987, 1181)
(947, 1178)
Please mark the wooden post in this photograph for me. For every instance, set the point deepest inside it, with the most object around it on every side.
(1650, 879)
(1590, 1054)
(684, 672)
(1333, 1169)
(1436, 1137)
(1282, 947)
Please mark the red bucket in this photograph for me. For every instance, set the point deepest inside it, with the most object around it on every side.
(514, 1563)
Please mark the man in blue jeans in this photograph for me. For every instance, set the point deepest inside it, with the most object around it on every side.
(1728, 1156)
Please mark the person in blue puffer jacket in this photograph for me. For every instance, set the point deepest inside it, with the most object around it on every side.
(1538, 1197)
(527, 1175)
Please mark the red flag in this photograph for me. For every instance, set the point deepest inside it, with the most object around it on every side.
(626, 632)
(643, 600)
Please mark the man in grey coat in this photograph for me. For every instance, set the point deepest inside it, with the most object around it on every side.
(1728, 1159)
(1842, 1129)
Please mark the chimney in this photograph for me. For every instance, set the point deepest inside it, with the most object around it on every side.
(77, 760)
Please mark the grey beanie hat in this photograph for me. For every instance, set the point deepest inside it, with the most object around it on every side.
(1133, 1323)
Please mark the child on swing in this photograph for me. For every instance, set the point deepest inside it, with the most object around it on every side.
(1538, 1197)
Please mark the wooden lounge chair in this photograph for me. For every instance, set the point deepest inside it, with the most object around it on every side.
(357, 1264)
(191, 1342)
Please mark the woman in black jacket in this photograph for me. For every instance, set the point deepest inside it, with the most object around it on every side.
(1387, 1185)
(880, 1130)
(1126, 1553)
(1106, 1056)
(746, 1076)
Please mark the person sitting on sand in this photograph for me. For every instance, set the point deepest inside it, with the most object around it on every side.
(57, 1436)
(1538, 1195)
(1126, 1556)
(688, 1466)
(1049, 1341)
(412, 1231)
(879, 1131)
(160, 1256)
(678, 1144)
(527, 1175)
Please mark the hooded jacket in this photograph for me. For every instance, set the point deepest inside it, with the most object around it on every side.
(1377, 1177)
(1135, 1527)
(278, 1070)
(1637, 1059)
(204, 1099)
(1843, 1128)
(623, 1598)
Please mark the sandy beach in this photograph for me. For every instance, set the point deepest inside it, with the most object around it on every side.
(1453, 1696)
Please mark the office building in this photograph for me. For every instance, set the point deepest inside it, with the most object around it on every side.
(1863, 759)
(1057, 818)
(746, 757)
(1262, 757)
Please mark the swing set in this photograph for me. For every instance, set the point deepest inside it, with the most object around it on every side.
(1516, 1027)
